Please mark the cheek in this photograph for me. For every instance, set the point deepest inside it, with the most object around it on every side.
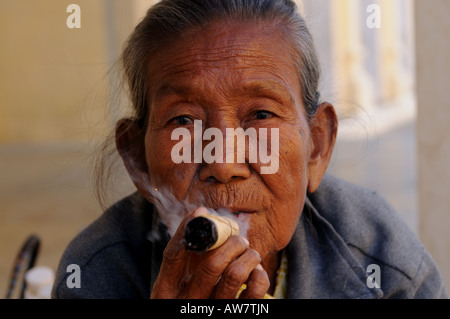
(291, 177)
(162, 170)
(273, 230)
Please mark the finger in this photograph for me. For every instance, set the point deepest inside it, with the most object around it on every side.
(236, 274)
(213, 264)
(257, 285)
(174, 261)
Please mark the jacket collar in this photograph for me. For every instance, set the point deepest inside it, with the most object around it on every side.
(320, 265)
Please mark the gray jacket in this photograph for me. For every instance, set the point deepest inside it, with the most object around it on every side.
(343, 229)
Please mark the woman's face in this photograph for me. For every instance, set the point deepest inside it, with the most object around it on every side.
(230, 76)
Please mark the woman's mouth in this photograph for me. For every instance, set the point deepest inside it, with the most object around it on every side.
(239, 212)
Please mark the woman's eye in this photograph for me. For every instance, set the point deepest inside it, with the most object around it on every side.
(182, 120)
(263, 115)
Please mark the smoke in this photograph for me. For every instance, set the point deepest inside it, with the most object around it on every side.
(172, 211)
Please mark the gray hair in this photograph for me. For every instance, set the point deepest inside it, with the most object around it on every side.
(168, 19)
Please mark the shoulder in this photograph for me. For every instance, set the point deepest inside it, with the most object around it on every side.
(109, 254)
(376, 234)
(359, 214)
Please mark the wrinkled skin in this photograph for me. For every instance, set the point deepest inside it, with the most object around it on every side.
(230, 75)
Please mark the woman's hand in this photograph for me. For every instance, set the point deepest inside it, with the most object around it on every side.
(219, 273)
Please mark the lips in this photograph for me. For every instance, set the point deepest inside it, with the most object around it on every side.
(234, 197)
(234, 211)
(239, 212)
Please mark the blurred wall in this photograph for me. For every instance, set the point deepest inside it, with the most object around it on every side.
(55, 106)
(52, 78)
(433, 78)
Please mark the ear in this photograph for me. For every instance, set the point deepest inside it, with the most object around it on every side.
(323, 127)
(130, 144)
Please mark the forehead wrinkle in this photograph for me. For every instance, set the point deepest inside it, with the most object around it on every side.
(267, 88)
(218, 59)
(207, 62)
(194, 59)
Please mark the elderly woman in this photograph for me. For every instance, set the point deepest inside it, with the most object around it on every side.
(198, 68)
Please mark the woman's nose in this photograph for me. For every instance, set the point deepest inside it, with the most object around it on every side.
(232, 164)
(224, 172)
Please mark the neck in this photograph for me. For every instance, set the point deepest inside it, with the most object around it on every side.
(271, 264)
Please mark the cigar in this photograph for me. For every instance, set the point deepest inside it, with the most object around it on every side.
(206, 233)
